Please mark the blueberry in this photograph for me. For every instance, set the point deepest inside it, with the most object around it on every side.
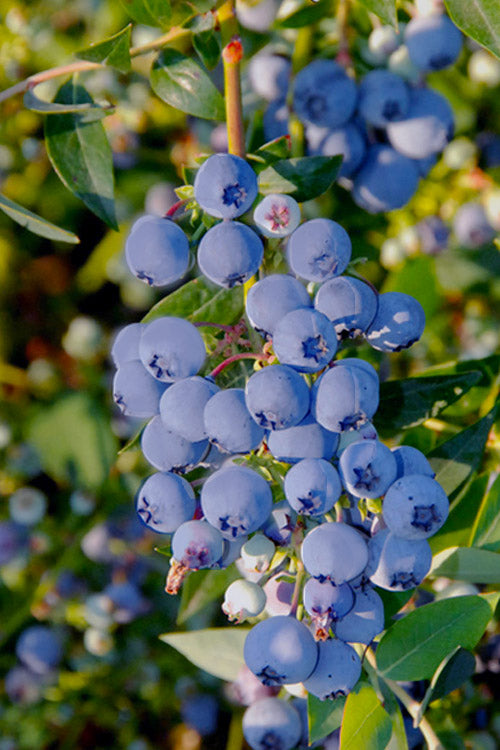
(225, 186)
(366, 432)
(410, 460)
(164, 502)
(433, 234)
(171, 348)
(386, 180)
(433, 41)
(367, 468)
(308, 439)
(280, 524)
(349, 303)
(197, 545)
(236, 500)
(305, 340)
(399, 322)
(230, 253)
(345, 397)
(472, 227)
(349, 141)
(277, 215)
(126, 344)
(318, 250)
(334, 552)
(271, 298)
(325, 603)
(398, 564)
(415, 507)
(23, 686)
(243, 599)
(425, 165)
(168, 451)
(382, 42)
(280, 651)
(277, 397)
(157, 251)
(364, 621)
(426, 128)
(383, 98)
(312, 486)
(127, 600)
(324, 94)
(269, 76)
(279, 595)
(337, 671)
(27, 506)
(39, 649)
(182, 405)
(135, 392)
(229, 424)
(275, 121)
(257, 17)
(271, 724)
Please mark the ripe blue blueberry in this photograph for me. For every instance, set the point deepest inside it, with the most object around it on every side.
(271, 724)
(349, 303)
(415, 507)
(277, 215)
(225, 186)
(157, 251)
(182, 405)
(472, 227)
(171, 348)
(168, 451)
(236, 500)
(410, 460)
(335, 552)
(325, 603)
(426, 128)
(324, 94)
(433, 235)
(433, 41)
(337, 671)
(126, 344)
(366, 432)
(200, 711)
(275, 120)
(127, 600)
(269, 76)
(197, 545)
(349, 141)
(39, 649)
(308, 439)
(305, 340)
(277, 397)
(399, 322)
(318, 250)
(383, 98)
(345, 397)
(229, 424)
(135, 392)
(230, 253)
(164, 502)
(398, 564)
(280, 651)
(280, 523)
(364, 621)
(386, 180)
(367, 468)
(312, 486)
(271, 298)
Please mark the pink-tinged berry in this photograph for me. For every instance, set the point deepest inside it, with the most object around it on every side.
(277, 215)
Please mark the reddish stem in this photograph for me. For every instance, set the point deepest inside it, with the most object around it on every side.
(173, 209)
(234, 358)
(228, 329)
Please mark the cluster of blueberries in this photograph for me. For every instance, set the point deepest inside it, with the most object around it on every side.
(310, 412)
(389, 130)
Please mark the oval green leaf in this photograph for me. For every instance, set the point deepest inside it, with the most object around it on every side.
(198, 301)
(89, 111)
(179, 81)
(486, 529)
(34, 223)
(365, 724)
(149, 12)
(323, 717)
(113, 51)
(303, 178)
(478, 19)
(81, 155)
(219, 651)
(467, 564)
(414, 647)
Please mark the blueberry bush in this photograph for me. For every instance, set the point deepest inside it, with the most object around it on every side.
(249, 367)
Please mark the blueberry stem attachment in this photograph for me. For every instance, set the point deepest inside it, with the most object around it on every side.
(234, 358)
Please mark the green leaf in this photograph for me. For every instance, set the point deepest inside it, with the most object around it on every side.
(272, 151)
(303, 178)
(305, 16)
(478, 19)
(384, 9)
(74, 440)
(81, 155)
(414, 646)
(88, 111)
(467, 564)
(407, 403)
(197, 301)
(453, 671)
(323, 717)
(179, 81)
(113, 51)
(463, 511)
(486, 529)
(365, 724)
(149, 12)
(457, 458)
(417, 278)
(219, 651)
(34, 223)
(394, 601)
(133, 443)
(205, 40)
(202, 587)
